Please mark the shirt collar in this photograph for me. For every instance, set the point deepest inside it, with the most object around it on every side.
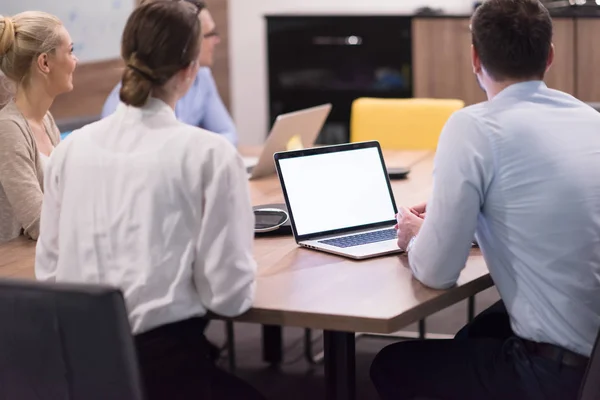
(153, 106)
(520, 89)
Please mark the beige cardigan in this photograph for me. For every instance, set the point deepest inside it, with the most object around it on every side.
(21, 174)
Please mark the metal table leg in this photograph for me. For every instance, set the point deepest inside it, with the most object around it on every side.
(422, 329)
(471, 309)
(272, 344)
(230, 344)
(340, 365)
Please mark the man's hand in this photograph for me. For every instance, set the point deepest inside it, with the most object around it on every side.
(419, 210)
(408, 226)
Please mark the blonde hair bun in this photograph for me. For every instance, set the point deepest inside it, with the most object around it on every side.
(7, 34)
(23, 37)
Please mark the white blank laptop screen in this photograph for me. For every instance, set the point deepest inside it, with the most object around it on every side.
(337, 190)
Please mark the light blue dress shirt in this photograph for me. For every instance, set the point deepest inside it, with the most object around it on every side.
(201, 106)
(522, 172)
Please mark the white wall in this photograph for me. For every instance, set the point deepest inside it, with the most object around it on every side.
(248, 53)
(95, 26)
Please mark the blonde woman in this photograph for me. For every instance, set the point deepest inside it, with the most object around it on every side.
(36, 56)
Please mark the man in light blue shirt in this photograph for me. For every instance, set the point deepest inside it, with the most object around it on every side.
(201, 106)
(520, 172)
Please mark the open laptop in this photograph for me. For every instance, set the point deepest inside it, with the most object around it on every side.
(304, 124)
(340, 199)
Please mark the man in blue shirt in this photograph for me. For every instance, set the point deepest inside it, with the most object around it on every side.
(201, 106)
(520, 173)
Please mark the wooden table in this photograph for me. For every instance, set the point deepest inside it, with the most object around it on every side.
(306, 288)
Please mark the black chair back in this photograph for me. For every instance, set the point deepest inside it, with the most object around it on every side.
(65, 342)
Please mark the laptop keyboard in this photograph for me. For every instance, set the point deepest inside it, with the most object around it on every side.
(361, 238)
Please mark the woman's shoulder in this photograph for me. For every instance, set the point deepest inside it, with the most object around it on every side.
(10, 112)
(12, 122)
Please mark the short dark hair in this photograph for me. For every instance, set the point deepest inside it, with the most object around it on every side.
(512, 38)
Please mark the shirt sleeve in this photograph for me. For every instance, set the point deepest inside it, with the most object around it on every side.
(216, 117)
(225, 270)
(111, 103)
(463, 170)
(18, 177)
(46, 251)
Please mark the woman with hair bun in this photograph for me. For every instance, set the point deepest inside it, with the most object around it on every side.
(158, 208)
(36, 57)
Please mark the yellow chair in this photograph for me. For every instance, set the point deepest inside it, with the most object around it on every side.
(295, 143)
(401, 124)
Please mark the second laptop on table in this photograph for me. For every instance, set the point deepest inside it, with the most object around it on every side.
(305, 125)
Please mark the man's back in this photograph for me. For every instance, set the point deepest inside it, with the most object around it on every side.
(539, 226)
(520, 173)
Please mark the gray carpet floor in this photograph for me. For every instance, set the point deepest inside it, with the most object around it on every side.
(296, 379)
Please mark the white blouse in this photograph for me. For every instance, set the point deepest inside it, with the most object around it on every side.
(44, 160)
(156, 207)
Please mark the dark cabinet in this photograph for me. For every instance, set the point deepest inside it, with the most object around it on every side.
(335, 59)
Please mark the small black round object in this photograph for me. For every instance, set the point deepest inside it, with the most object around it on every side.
(269, 219)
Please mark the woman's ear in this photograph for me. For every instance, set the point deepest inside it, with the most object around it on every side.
(185, 76)
(42, 63)
(191, 70)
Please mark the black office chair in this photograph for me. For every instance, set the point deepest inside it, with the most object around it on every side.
(65, 342)
(590, 388)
